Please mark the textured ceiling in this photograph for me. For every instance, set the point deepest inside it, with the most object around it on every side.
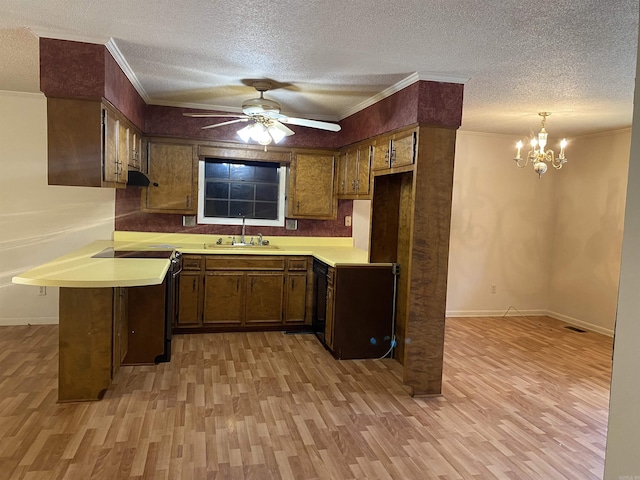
(575, 58)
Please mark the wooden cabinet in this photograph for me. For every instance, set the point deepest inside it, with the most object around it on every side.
(265, 297)
(394, 151)
(189, 287)
(120, 329)
(172, 170)
(311, 186)
(88, 143)
(224, 298)
(243, 292)
(354, 168)
(359, 310)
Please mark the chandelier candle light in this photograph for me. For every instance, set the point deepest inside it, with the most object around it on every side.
(538, 156)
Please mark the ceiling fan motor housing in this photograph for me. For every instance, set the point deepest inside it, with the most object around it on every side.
(257, 106)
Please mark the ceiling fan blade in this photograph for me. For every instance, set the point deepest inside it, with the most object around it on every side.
(283, 128)
(213, 115)
(305, 122)
(215, 125)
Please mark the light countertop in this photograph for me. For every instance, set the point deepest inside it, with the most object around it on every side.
(79, 269)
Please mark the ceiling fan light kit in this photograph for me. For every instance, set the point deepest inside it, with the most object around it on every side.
(267, 122)
(538, 156)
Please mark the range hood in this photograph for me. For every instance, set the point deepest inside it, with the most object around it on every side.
(137, 179)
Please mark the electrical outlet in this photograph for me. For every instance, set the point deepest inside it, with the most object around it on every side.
(493, 289)
(42, 291)
(347, 221)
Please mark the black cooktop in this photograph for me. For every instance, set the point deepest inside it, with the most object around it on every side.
(111, 253)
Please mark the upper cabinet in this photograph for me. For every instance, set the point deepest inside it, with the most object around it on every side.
(394, 151)
(354, 168)
(312, 186)
(89, 143)
(172, 171)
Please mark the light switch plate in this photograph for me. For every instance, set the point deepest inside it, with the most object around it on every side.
(347, 221)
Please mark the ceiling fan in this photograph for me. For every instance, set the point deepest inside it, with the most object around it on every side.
(267, 123)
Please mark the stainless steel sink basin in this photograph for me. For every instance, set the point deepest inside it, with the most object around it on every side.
(239, 246)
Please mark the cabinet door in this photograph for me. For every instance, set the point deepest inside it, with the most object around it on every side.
(312, 186)
(110, 167)
(189, 299)
(342, 174)
(172, 174)
(120, 329)
(296, 297)
(135, 146)
(403, 149)
(381, 156)
(123, 152)
(264, 297)
(352, 172)
(224, 297)
(328, 327)
(363, 181)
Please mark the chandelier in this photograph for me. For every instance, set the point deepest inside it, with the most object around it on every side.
(538, 156)
(264, 131)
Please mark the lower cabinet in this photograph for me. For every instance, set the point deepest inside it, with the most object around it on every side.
(243, 292)
(358, 321)
(101, 329)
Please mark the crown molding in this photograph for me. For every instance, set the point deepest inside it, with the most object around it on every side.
(74, 37)
(126, 69)
(396, 87)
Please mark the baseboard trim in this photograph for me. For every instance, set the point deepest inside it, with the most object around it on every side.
(531, 313)
(6, 322)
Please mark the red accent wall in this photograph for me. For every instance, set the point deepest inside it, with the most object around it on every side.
(122, 94)
(72, 69)
(86, 70)
(130, 218)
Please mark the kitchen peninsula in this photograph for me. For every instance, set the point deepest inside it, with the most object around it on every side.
(114, 301)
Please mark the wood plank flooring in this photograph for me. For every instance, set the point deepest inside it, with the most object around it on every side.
(523, 398)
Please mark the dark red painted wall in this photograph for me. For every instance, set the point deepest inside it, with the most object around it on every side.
(130, 218)
(122, 94)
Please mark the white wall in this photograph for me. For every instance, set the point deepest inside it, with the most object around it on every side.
(38, 222)
(623, 435)
(550, 245)
(500, 227)
(587, 237)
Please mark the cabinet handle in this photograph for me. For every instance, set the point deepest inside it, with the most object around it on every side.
(298, 206)
(251, 289)
(386, 156)
(357, 185)
(193, 289)
(353, 184)
(188, 201)
(393, 155)
(237, 285)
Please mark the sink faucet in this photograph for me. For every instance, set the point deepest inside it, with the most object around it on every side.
(243, 228)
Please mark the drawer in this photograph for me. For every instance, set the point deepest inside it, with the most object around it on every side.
(244, 263)
(191, 262)
(297, 263)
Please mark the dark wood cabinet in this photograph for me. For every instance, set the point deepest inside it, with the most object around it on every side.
(393, 151)
(88, 143)
(312, 186)
(264, 298)
(243, 292)
(359, 310)
(172, 170)
(354, 171)
(224, 298)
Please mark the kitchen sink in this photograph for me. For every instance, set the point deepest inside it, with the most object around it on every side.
(239, 246)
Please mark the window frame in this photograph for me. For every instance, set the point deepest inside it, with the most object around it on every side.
(258, 222)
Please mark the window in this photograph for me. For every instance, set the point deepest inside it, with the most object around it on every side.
(229, 190)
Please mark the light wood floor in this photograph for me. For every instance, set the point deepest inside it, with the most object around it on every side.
(523, 398)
